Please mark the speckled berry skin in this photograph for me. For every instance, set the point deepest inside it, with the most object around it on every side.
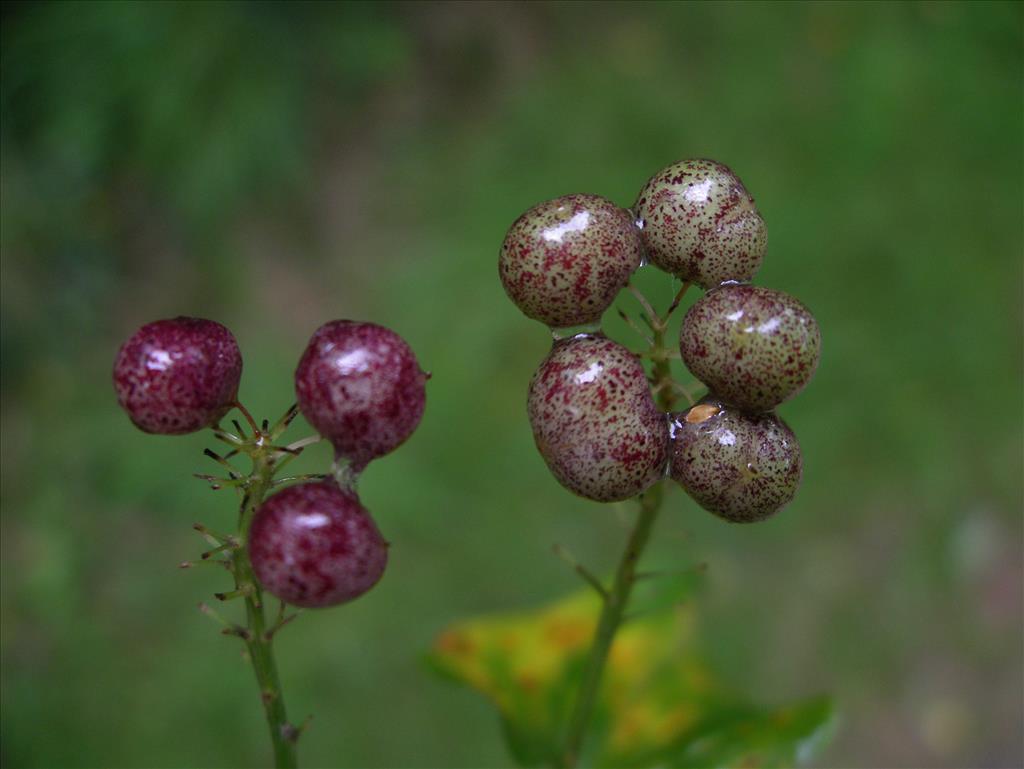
(594, 421)
(178, 375)
(741, 467)
(361, 387)
(698, 222)
(753, 347)
(314, 545)
(564, 261)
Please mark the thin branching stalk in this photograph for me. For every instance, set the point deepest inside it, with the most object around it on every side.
(616, 599)
(267, 459)
(257, 639)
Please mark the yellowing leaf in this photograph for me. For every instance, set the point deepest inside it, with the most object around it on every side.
(659, 703)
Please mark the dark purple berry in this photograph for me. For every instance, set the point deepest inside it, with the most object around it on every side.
(699, 223)
(594, 421)
(315, 545)
(741, 467)
(753, 347)
(360, 386)
(564, 261)
(177, 376)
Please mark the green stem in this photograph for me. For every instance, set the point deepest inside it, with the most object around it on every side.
(608, 625)
(259, 642)
(617, 599)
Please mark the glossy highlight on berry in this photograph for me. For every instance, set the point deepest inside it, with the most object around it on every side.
(741, 467)
(563, 261)
(315, 545)
(753, 347)
(699, 223)
(594, 420)
(361, 387)
(178, 375)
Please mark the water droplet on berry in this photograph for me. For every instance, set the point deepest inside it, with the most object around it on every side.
(568, 332)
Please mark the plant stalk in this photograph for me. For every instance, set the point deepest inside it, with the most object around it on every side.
(608, 625)
(617, 599)
(259, 642)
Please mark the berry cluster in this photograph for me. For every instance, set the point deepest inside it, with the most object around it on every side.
(595, 420)
(311, 544)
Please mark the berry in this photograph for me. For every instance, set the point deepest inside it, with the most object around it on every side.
(564, 261)
(699, 223)
(315, 545)
(594, 421)
(360, 386)
(753, 347)
(741, 467)
(177, 376)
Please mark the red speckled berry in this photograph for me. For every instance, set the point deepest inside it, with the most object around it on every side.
(594, 421)
(753, 347)
(360, 386)
(564, 261)
(177, 376)
(315, 545)
(699, 223)
(741, 467)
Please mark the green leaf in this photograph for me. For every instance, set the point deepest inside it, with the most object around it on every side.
(659, 704)
(781, 737)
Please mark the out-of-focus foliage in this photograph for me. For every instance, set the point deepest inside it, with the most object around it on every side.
(660, 705)
(220, 100)
(276, 165)
(187, 112)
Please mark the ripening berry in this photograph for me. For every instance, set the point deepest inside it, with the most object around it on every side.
(314, 545)
(564, 261)
(699, 223)
(594, 421)
(177, 376)
(753, 347)
(361, 387)
(741, 467)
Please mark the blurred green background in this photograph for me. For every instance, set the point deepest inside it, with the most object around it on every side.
(275, 166)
